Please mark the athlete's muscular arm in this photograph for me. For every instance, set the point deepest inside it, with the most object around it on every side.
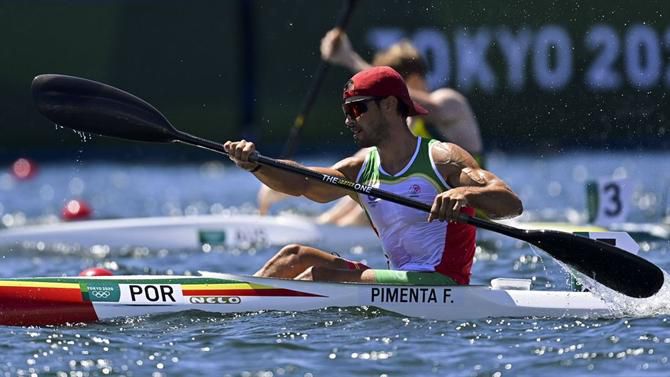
(337, 49)
(292, 183)
(472, 186)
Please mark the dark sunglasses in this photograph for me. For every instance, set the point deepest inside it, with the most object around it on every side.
(354, 109)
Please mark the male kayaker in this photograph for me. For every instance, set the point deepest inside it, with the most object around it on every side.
(421, 248)
(450, 117)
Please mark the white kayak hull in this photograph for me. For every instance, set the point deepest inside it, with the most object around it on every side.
(189, 232)
(41, 301)
(639, 231)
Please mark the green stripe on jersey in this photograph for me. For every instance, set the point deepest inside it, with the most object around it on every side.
(372, 173)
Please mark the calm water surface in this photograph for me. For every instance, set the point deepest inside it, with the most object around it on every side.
(330, 342)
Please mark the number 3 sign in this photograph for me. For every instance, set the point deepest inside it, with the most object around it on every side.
(608, 200)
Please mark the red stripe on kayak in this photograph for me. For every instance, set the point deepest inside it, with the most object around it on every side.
(248, 292)
(38, 306)
(41, 293)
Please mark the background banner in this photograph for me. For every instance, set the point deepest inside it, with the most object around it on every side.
(540, 78)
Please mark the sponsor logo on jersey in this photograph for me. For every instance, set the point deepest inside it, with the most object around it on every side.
(414, 190)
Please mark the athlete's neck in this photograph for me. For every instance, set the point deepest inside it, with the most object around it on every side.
(397, 150)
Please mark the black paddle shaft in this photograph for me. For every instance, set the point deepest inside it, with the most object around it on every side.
(321, 70)
(93, 107)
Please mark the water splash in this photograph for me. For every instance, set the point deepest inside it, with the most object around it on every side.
(83, 136)
(625, 306)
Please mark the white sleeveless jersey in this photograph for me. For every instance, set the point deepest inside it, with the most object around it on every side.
(409, 241)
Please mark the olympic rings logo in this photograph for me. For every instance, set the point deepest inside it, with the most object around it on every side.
(100, 294)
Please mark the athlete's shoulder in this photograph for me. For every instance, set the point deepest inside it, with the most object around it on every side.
(450, 104)
(351, 165)
(450, 154)
(364, 152)
(447, 95)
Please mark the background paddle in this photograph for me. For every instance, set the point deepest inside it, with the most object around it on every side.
(93, 107)
(317, 80)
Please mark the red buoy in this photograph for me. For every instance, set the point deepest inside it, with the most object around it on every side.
(24, 168)
(96, 271)
(76, 209)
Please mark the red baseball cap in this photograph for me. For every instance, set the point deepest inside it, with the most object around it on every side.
(381, 81)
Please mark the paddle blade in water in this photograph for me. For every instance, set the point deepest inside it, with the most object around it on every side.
(613, 267)
(608, 265)
(97, 108)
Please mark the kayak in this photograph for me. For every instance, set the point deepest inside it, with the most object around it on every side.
(560, 226)
(644, 232)
(69, 300)
(190, 232)
(641, 232)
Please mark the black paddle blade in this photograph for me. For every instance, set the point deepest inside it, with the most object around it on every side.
(613, 267)
(97, 108)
